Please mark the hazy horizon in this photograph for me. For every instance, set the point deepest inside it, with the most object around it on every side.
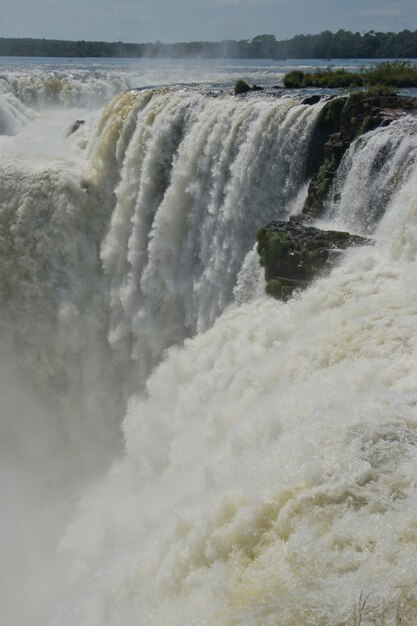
(163, 42)
(204, 20)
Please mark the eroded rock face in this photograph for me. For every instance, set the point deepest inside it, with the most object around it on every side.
(342, 120)
(294, 253)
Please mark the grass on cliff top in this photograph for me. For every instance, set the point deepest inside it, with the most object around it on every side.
(389, 73)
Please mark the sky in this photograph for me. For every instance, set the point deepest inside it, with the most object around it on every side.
(198, 20)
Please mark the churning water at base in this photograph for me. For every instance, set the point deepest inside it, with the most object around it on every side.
(282, 486)
(269, 462)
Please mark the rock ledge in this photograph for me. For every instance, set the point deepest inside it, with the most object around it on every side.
(293, 254)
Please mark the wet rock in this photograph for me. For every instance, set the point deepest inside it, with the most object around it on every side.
(312, 99)
(341, 121)
(77, 124)
(242, 87)
(294, 253)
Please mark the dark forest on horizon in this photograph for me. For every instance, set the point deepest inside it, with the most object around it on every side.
(325, 45)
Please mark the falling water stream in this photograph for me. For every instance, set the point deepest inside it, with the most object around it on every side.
(178, 448)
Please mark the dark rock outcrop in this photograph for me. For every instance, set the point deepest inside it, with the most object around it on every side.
(242, 87)
(293, 253)
(75, 126)
(341, 121)
(312, 99)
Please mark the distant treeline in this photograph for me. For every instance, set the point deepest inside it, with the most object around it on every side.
(326, 45)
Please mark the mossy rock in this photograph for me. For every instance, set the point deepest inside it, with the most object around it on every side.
(342, 120)
(241, 87)
(283, 288)
(293, 254)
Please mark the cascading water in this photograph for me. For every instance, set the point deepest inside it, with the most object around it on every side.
(195, 176)
(281, 489)
(13, 113)
(269, 462)
(42, 89)
(146, 242)
(372, 171)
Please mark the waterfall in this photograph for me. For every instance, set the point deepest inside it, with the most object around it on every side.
(13, 113)
(269, 476)
(145, 241)
(266, 473)
(109, 257)
(373, 169)
(196, 176)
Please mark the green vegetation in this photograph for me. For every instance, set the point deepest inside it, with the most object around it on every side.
(326, 45)
(272, 247)
(327, 78)
(242, 87)
(324, 178)
(293, 254)
(260, 47)
(294, 79)
(283, 288)
(377, 79)
(394, 73)
(374, 90)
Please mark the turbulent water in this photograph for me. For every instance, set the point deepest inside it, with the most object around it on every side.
(176, 447)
